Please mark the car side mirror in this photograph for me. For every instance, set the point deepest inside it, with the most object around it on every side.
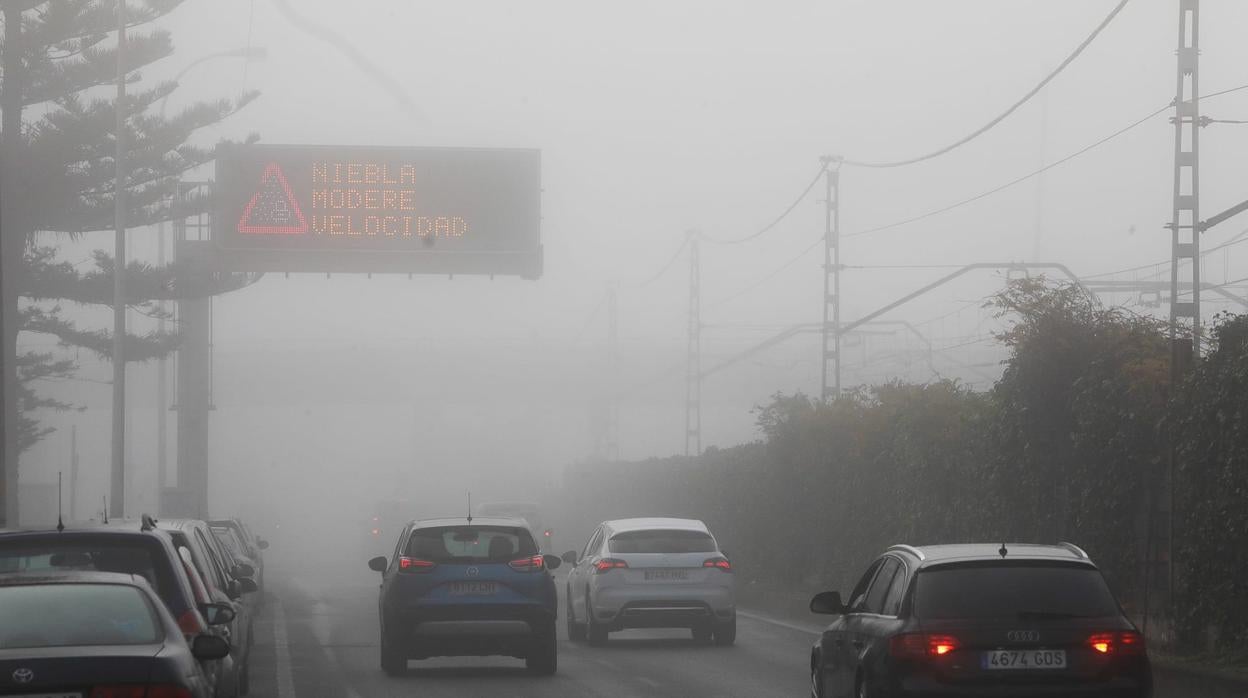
(247, 585)
(378, 564)
(207, 647)
(552, 562)
(569, 557)
(217, 614)
(827, 603)
(262, 544)
(244, 570)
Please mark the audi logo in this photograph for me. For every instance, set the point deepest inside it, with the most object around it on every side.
(1023, 636)
(23, 675)
(473, 571)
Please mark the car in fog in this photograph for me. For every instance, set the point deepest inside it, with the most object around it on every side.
(132, 547)
(253, 545)
(72, 634)
(979, 620)
(225, 584)
(651, 573)
(467, 587)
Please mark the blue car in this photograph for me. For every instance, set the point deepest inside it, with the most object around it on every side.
(467, 587)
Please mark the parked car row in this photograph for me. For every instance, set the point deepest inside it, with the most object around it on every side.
(481, 586)
(132, 607)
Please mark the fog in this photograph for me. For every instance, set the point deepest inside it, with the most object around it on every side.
(653, 119)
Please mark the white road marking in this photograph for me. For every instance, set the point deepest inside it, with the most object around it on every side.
(772, 621)
(281, 643)
(322, 628)
(649, 682)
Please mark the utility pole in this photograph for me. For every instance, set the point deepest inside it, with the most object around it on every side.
(1185, 227)
(73, 472)
(693, 359)
(12, 242)
(162, 390)
(117, 481)
(613, 372)
(831, 361)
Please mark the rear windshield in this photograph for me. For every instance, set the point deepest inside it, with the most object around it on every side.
(470, 544)
(662, 542)
(1014, 591)
(62, 615)
(92, 554)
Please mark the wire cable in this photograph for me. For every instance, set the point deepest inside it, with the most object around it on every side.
(1011, 183)
(770, 226)
(666, 267)
(1027, 97)
(765, 279)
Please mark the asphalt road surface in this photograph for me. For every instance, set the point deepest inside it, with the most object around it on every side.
(317, 638)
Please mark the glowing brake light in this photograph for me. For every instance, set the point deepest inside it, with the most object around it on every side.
(718, 563)
(1125, 643)
(536, 563)
(607, 564)
(922, 645)
(412, 564)
(376, 531)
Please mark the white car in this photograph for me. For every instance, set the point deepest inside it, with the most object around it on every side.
(651, 573)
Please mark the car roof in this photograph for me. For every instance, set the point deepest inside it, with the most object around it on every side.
(72, 577)
(474, 521)
(654, 524)
(933, 555)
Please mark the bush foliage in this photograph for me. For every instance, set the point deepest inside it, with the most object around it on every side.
(1073, 443)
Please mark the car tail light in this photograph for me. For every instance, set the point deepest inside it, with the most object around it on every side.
(376, 531)
(415, 564)
(190, 623)
(718, 563)
(921, 645)
(607, 564)
(536, 563)
(1127, 642)
(133, 691)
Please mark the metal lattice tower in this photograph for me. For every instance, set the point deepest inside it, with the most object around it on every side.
(612, 450)
(831, 387)
(693, 359)
(1185, 225)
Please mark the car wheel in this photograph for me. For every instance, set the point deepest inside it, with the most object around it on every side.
(597, 633)
(543, 656)
(702, 634)
(576, 631)
(393, 662)
(726, 633)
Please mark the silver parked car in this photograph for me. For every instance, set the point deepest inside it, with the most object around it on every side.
(651, 573)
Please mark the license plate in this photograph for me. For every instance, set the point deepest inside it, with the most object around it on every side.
(666, 575)
(1025, 659)
(473, 588)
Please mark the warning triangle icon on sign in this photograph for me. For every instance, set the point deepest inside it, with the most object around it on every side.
(273, 209)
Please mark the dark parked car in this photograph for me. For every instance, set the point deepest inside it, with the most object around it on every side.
(467, 587)
(128, 547)
(253, 544)
(979, 620)
(225, 583)
(96, 634)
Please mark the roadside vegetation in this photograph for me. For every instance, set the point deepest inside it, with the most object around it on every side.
(1076, 442)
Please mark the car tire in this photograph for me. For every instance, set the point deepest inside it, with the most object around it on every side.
(726, 633)
(393, 662)
(576, 631)
(543, 655)
(702, 634)
(597, 634)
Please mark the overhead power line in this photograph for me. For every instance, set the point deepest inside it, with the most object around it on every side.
(770, 226)
(1027, 97)
(666, 267)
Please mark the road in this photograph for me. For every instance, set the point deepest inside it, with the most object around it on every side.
(317, 638)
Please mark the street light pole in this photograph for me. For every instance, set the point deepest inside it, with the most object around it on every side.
(117, 481)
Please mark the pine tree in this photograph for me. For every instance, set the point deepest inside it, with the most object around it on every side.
(58, 173)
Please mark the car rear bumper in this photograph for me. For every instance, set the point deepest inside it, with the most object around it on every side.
(467, 630)
(627, 607)
(1112, 688)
